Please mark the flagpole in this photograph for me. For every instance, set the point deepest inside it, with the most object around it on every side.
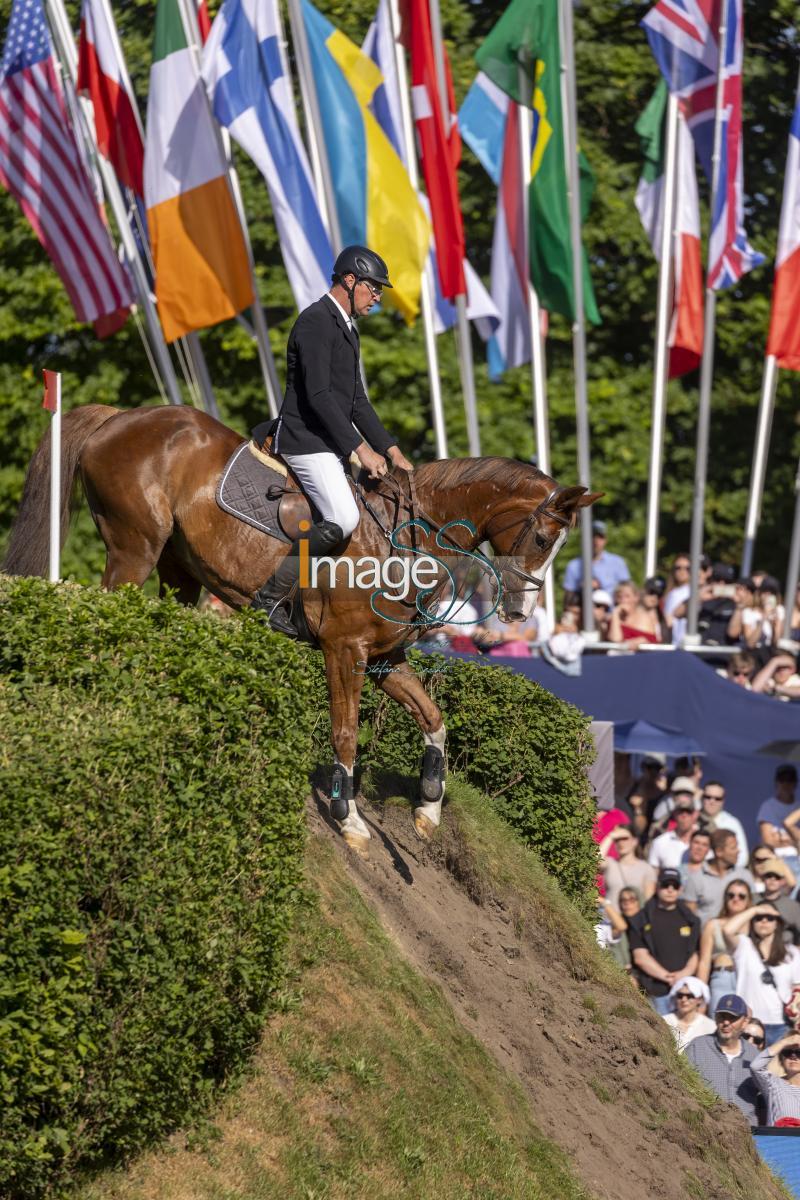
(463, 338)
(269, 371)
(538, 372)
(55, 487)
(319, 154)
(663, 317)
(68, 55)
(792, 573)
(758, 472)
(570, 105)
(426, 290)
(691, 637)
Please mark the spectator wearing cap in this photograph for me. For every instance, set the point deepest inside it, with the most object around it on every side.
(676, 599)
(664, 939)
(779, 678)
(681, 790)
(608, 570)
(628, 868)
(767, 967)
(687, 1019)
(777, 882)
(633, 623)
(724, 1057)
(714, 815)
(705, 889)
(602, 605)
(667, 850)
(782, 1091)
(774, 811)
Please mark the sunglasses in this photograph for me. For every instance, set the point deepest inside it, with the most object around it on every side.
(790, 1052)
(762, 860)
(771, 875)
(764, 917)
(685, 996)
(755, 1038)
(736, 896)
(711, 796)
(768, 978)
(664, 887)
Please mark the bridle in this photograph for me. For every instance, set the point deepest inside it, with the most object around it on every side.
(528, 522)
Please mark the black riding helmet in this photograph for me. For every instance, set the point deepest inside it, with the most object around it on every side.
(365, 264)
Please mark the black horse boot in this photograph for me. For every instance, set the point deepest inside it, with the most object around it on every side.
(273, 596)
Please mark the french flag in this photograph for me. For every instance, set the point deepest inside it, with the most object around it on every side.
(103, 78)
(784, 327)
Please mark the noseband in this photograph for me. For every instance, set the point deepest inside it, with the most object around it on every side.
(528, 522)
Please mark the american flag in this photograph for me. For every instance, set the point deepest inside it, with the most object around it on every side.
(41, 167)
(684, 38)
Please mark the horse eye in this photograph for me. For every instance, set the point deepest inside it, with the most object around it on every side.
(541, 541)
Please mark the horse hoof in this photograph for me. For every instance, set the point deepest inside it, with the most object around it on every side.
(424, 827)
(357, 842)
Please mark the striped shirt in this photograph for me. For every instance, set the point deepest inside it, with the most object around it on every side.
(730, 1078)
(783, 1099)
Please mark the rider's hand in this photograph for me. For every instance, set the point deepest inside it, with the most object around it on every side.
(399, 459)
(372, 462)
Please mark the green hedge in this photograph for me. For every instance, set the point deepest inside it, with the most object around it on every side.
(153, 768)
(525, 749)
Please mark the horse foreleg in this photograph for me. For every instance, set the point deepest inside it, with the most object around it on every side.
(401, 683)
(345, 683)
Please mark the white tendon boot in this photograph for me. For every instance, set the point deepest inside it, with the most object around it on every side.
(344, 811)
(428, 814)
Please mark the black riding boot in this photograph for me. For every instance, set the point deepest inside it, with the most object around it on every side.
(274, 596)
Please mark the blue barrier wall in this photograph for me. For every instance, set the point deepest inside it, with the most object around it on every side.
(781, 1153)
(678, 690)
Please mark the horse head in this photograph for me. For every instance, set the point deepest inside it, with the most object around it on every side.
(526, 541)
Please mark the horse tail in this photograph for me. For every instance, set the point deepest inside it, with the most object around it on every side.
(29, 544)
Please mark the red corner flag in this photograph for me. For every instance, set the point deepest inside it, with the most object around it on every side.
(52, 380)
(441, 151)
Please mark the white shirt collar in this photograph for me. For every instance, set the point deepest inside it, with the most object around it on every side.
(341, 310)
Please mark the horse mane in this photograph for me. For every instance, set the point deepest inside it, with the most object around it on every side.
(516, 476)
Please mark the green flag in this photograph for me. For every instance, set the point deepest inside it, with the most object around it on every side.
(522, 55)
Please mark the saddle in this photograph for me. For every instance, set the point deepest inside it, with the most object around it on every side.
(258, 488)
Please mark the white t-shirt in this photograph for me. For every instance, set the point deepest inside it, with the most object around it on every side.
(726, 820)
(699, 1026)
(461, 614)
(765, 1000)
(667, 850)
(674, 599)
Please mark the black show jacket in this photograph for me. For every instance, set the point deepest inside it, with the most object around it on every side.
(324, 395)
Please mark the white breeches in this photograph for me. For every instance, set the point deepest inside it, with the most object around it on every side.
(323, 480)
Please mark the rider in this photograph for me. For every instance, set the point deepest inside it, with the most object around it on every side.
(326, 416)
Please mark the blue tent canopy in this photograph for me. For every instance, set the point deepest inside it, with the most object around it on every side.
(644, 737)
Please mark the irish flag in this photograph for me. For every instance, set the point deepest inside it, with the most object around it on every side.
(202, 271)
(784, 327)
(686, 328)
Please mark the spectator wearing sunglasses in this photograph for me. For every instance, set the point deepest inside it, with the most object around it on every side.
(775, 877)
(664, 939)
(713, 815)
(781, 1092)
(716, 966)
(724, 1057)
(759, 857)
(705, 889)
(767, 968)
(753, 1032)
(687, 1020)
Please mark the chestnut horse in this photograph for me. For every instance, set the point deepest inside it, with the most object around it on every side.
(150, 477)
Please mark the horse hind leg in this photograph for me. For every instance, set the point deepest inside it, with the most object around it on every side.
(132, 551)
(400, 682)
(174, 577)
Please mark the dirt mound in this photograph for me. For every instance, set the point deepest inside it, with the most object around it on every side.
(596, 1062)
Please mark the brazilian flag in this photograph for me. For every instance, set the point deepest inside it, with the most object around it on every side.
(522, 55)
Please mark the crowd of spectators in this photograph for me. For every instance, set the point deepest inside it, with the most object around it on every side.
(707, 928)
(744, 615)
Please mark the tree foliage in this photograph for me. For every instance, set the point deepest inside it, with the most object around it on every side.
(615, 76)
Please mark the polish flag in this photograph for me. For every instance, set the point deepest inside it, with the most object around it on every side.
(441, 150)
(784, 327)
(103, 78)
(686, 331)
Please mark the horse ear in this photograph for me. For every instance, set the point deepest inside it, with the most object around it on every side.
(585, 501)
(569, 498)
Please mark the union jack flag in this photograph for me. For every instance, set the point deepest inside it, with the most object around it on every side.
(684, 38)
(41, 166)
